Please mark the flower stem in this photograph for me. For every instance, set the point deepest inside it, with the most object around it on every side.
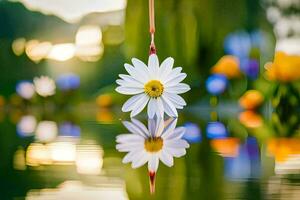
(152, 181)
(152, 27)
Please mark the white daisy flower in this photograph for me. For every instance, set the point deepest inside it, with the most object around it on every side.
(157, 86)
(44, 86)
(160, 141)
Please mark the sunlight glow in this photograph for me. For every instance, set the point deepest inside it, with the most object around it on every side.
(76, 190)
(62, 52)
(18, 46)
(62, 152)
(73, 10)
(37, 154)
(36, 51)
(88, 35)
(89, 159)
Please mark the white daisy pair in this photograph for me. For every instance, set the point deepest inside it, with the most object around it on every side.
(160, 141)
(155, 85)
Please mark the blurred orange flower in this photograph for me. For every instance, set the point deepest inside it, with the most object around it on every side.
(105, 115)
(250, 119)
(227, 147)
(284, 68)
(282, 148)
(228, 66)
(2, 101)
(104, 100)
(251, 99)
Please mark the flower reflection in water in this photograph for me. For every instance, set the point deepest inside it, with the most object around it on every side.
(226, 147)
(89, 159)
(77, 190)
(246, 163)
(287, 154)
(68, 129)
(192, 133)
(26, 126)
(46, 131)
(216, 130)
(161, 141)
(44, 86)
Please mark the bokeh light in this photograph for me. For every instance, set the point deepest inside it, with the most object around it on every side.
(192, 133)
(216, 130)
(89, 159)
(46, 131)
(68, 81)
(26, 126)
(25, 89)
(216, 84)
(44, 86)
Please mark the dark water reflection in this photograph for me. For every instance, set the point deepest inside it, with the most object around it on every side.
(73, 156)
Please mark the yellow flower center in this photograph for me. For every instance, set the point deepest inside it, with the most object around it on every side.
(154, 88)
(154, 144)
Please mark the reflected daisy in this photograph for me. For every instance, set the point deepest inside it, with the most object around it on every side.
(155, 85)
(160, 141)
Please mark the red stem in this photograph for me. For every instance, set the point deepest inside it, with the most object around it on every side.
(152, 26)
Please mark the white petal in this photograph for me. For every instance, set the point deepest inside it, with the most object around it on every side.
(160, 125)
(153, 163)
(175, 72)
(134, 73)
(177, 134)
(140, 105)
(141, 126)
(176, 99)
(153, 65)
(129, 138)
(176, 143)
(130, 156)
(152, 126)
(169, 129)
(166, 68)
(131, 102)
(129, 147)
(129, 90)
(169, 107)
(134, 128)
(175, 80)
(141, 68)
(178, 89)
(130, 79)
(176, 152)
(166, 158)
(132, 84)
(140, 159)
(159, 108)
(151, 108)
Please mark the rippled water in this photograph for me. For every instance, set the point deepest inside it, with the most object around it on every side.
(80, 161)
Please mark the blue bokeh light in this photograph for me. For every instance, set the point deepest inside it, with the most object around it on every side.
(68, 81)
(216, 130)
(68, 129)
(192, 133)
(216, 84)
